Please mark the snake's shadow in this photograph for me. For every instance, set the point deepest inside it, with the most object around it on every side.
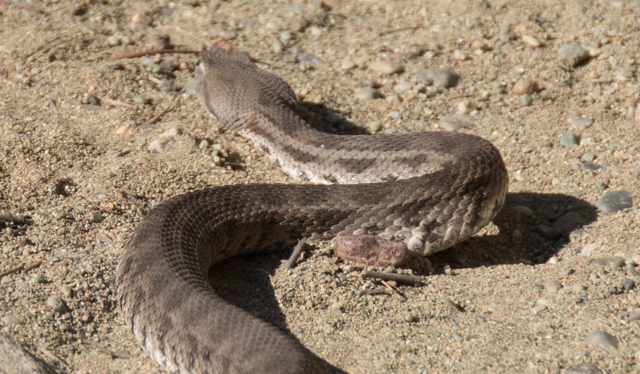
(244, 281)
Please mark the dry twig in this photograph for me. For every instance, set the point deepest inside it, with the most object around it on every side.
(401, 278)
(408, 28)
(297, 250)
(154, 52)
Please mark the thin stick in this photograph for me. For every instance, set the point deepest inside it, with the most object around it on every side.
(33, 265)
(408, 28)
(297, 250)
(162, 112)
(393, 289)
(401, 278)
(154, 52)
(12, 270)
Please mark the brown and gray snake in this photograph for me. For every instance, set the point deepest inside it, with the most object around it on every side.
(424, 192)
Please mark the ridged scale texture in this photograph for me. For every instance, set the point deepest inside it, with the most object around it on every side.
(430, 191)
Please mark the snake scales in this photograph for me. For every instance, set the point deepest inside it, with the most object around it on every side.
(427, 191)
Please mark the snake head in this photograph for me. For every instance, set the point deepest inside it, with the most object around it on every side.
(232, 88)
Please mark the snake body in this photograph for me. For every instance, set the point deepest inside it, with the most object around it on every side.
(427, 191)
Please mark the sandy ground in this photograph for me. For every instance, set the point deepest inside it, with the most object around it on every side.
(88, 145)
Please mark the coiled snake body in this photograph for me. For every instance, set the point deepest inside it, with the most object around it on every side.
(427, 191)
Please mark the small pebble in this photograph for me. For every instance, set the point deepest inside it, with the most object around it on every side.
(190, 86)
(446, 78)
(552, 286)
(402, 87)
(614, 201)
(348, 65)
(138, 99)
(539, 308)
(584, 368)
(410, 317)
(204, 144)
(580, 123)
(367, 93)
(457, 122)
(56, 304)
(569, 139)
(572, 54)
(531, 41)
(589, 249)
(95, 217)
(588, 157)
(526, 100)
(602, 339)
(387, 67)
(113, 40)
(610, 262)
(526, 86)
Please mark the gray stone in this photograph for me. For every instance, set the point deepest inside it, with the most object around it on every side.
(16, 360)
(568, 222)
(569, 139)
(190, 86)
(576, 234)
(603, 339)
(547, 232)
(439, 77)
(614, 201)
(572, 54)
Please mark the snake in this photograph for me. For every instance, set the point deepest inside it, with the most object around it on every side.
(380, 198)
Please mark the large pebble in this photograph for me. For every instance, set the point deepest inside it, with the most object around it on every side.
(614, 201)
(439, 77)
(367, 93)
(572, 54)
(387, 67)
(603, 339)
